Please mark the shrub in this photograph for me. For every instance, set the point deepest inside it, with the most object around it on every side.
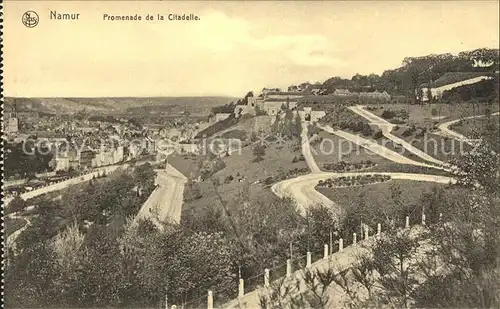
(388, 114)
(378, 134)
(229, 179)
(295, 159)
(367, 130)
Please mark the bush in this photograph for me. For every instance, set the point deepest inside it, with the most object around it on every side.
(388, 114)
(229, 179)
(295, 159)
(378, 134)
(269, 180)
(398, 121)
(367, 130)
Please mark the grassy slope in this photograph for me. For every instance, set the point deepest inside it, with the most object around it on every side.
(275, 161)
(378, 194)
(421, 115)
(470, 127)
(358, 154)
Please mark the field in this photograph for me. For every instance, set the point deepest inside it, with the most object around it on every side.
(470, 127)
(244, 172)
(334, 149)
(379, 194)
(437, 146)
(383, 202)
(346, 151)
(423, 115)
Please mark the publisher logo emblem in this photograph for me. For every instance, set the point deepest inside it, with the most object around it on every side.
(30, 19)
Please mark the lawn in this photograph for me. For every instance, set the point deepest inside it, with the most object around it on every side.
(244, 172)
(380, 203)
(423, 115)
(187, 164)
(334, 149)
(12, 225)
(437, 146)
(471, 127)
(411, 192)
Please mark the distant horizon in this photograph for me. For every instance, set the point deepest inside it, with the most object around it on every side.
(118, 97)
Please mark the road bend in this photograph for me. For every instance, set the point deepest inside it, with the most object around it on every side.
(386, 128)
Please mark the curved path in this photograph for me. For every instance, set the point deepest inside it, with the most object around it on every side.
(446, 131)
(165, 202)
(306, 150)
(302, 188)
(376, 148)
(11, 239)
(386, 128)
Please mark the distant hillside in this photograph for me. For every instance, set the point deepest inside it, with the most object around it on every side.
(154, 105)
(413, 72)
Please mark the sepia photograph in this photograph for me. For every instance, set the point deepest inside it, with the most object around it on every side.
(250, 154)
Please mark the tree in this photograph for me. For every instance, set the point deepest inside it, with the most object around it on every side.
(393, 260)
(16, 205)
(466, 242)
(259, 151)
(429, 95)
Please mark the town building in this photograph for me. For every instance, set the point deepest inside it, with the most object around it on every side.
(376, 95)
(343, 92)
(86, 157)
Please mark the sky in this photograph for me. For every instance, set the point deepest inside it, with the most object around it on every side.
(234, 47)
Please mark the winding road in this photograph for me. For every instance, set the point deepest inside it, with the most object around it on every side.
(386, 128)
(165, 203)
(302, 190)
(376, 148)
(446, 131)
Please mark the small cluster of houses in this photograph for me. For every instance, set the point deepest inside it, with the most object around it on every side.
(91, 158)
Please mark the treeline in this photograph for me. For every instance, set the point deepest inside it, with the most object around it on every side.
(26, 159)
(68, 254)
(413, 72)
(485, 91)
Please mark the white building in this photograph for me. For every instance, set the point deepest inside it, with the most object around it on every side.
(221, 116)
(440, 85)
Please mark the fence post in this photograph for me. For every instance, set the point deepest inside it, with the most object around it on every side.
(354, 238)
(325, 253)
(241, 291)
(407, 223)
(210, 300)
(379, 229)
(341, 245)
(366, 231)
(331, 242)
(266, 277)
(308, 262)
(423, 218)
(288, 268)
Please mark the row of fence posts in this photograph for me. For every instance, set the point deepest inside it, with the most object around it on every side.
(327, 252)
